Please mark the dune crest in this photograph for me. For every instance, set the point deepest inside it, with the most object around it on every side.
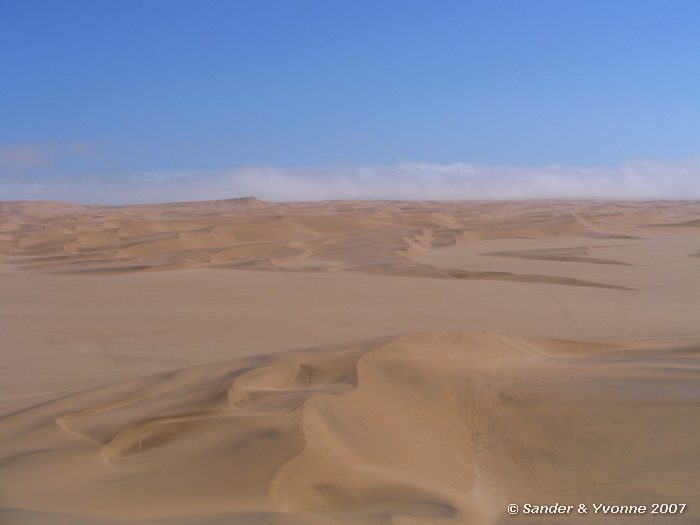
(428, 428)
(366, 237)
(147, 376)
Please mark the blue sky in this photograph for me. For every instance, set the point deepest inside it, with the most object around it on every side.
(124, 93)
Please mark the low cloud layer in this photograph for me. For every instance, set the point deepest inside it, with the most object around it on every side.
(633, 180)
(28, 155)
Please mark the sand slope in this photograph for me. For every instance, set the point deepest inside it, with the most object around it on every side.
(378, 237)
(429, 428)
(243, 362)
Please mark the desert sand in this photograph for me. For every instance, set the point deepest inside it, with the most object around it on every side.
(348, 362)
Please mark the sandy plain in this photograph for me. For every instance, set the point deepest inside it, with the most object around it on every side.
(404, 363)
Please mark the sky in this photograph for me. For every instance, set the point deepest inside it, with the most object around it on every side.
(134, 101)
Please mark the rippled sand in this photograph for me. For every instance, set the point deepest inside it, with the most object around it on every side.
(243, 362)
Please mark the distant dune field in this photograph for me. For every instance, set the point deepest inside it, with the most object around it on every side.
(348, 362)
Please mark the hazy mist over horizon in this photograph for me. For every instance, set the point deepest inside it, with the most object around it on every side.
(127, 102)
(634, 180)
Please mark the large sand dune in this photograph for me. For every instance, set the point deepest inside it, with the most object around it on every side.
(383, 237)
(242, 362)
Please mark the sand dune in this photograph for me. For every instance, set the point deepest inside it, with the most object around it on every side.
(447, 428)
(353, 236)
(244, 362)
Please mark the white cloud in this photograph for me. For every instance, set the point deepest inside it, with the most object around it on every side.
(640, 179)
(25, 155)
(20, 156)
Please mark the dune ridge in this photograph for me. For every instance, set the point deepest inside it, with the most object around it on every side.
(367, 237)
(500, 352)
(427, 428)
